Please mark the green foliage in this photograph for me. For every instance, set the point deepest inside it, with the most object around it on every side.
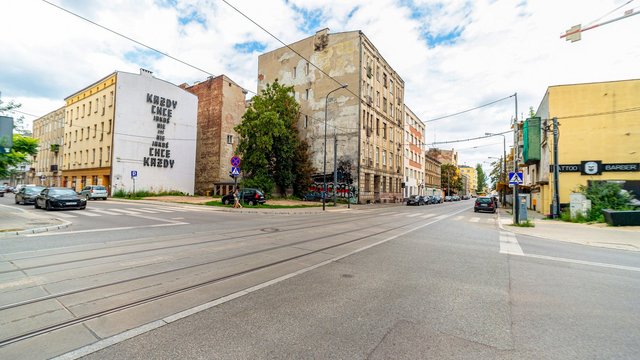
(496, 172)
(450, 175)
(270, 147)
(121, 193)
(526, 223)
(579, 218)
(482, 179)
(604, 195)
(22, 147)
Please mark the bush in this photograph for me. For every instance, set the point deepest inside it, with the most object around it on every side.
(604, 195)
(120, 193)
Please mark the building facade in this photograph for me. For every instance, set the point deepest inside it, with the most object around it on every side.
(414, 175)
(130, 131)
(365, 120)
(472, 176)
(433, 176)
(599, 133)
(444, 156)
(49, 130)
(221, 105)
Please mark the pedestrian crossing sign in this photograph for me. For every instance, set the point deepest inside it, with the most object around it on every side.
(515, 178)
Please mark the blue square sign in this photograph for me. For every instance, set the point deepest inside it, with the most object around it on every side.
(515, 178)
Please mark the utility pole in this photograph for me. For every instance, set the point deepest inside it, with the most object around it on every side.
(556, 172)
(335, 165)
(516, 205)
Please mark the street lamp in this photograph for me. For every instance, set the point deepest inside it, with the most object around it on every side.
(324, 172)
(504, 160)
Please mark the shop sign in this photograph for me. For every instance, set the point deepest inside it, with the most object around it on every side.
(596, 167)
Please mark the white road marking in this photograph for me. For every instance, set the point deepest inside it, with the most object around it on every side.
(105, 212)
(582, 262)
(413, 215)
(127, 212)
(398, 214)
(509, 244)
(64, 215)
(428, 216)
(85, 213)
(474, 219)
(146, 211)
(457, 218)
(157, 210)
(106, 229)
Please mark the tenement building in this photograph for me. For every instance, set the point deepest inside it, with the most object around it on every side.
(49, 130)
(364, 120)
(129, 131)
(413, 154)
(221, 105)
(432, 176)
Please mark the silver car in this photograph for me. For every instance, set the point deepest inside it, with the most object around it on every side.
(94, 192)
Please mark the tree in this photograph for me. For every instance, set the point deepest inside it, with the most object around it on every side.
(18, 123)
(482, 179)
(23, 146)
(270, 146)
(450, 178)
(496, 172)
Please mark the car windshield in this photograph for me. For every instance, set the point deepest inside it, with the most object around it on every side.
(99, 188)
(61, 192)
(484, 200)
(33, 190)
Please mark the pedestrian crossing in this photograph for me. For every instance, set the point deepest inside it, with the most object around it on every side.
(92, 212)
(432, 216)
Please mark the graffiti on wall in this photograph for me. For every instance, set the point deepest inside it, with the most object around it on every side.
(345, 187)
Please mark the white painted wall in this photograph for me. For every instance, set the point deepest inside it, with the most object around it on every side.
(135, 132)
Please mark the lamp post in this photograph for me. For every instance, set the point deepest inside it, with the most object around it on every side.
(504, 167)
(324, 172)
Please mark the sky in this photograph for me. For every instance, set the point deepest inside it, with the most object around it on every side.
(453, 55)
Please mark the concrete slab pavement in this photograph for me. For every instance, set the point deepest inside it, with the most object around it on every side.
(601, 235)
(16, 221)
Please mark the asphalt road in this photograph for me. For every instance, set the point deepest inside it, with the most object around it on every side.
(390, 282)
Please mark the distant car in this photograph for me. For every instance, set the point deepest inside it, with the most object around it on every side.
(59, 198)
(94, 192)
(27, 195)
(484, 203)
(247, 196)
(447, 198)
(3, 189)
(438, 199)
(415, 200)
(312, 196)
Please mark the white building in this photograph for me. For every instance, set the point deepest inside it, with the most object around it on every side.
(414, 162)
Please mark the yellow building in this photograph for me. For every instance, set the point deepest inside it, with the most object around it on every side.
(599, 138)
(49, 130)
(88, 137)
(473, 178)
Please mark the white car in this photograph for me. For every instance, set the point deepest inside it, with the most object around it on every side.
(94, 192)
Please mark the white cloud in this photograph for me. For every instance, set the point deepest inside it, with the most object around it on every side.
(503, 47)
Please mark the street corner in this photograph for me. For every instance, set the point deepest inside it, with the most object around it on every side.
(18, 221)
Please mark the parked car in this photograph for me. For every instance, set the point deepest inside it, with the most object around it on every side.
(312, 196)
(447, 198)
(59, 198)
(27, 195)
(415, 200)
(484, 203)
(247, 196)
(438, 199)
(3, 189)
(94, 192)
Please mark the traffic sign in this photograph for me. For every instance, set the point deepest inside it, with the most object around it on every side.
(515, 178)
(235, 161)
(235, 171)
(134, 173)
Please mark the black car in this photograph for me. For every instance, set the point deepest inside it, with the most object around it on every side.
(484, 203)
(415, 200)
(59, 198)
(247, 196)
(27, 195)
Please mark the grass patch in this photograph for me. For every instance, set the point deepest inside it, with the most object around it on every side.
(144, 193)
(526, 223)
(263, 206)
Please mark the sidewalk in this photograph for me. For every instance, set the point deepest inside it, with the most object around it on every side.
(622, 238)
(16, 221)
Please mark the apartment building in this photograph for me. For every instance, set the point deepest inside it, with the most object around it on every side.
(365, 120)
(414, 175)
(130, 130)
(472, 178)
(599, 133)
(432, 176)
(221, 105)
(49, 130)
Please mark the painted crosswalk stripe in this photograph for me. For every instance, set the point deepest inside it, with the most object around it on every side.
(458, 218)
(146, 211)
(128, 212)
(65, 215)
(398, 214)
(474, 219)
(413, 215)
(105, 212)
(509, 244)
(427, 216)
(158, 210)
(85, 213)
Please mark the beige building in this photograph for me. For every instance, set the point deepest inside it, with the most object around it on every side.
(432, 176)
(444, 156)
(472, 181)
(49, 130)
(414, 176)
(365, 119)
(88, 137)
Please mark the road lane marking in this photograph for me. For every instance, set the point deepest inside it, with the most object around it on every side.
(509, 244)
(127, 212)
(86, 213)
(63, 215)
(157, 210)
(458, 218)
(428, 216)
(146, 211)
(105, 212)
(474, 219)
(582, 262)
(413, 215)
(106, 229)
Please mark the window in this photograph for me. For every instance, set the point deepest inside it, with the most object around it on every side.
(80, 162)
(377, 155)
(104, 102)
(100, 156)
(384, 157)
(88, 128)
(306, 121)
(378, 98)
(295, 72)
(384, 130)
(111, 98)
(83, 109)
(89, 112)
(109, 128)
(86, 158)
(76, 137)
(384, 80)
(378, 73)
(384, 104)
(391, 88)
(96, 105)
(95, 129)
(93, 158)
(108, 153)
(81, 134)
(306, 94)
(306, 69)
(101, 130)
(229, 139)
(377, 126)
(77, 112)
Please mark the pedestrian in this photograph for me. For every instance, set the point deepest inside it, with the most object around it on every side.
(236, 200)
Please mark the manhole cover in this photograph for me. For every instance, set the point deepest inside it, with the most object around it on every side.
(269, 230)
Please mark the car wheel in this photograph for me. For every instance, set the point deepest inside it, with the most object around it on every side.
(475, 210)
(251, 203)
(17, 202)
(225, 201)
(48, 206)
(35, 205)
(104, 198)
